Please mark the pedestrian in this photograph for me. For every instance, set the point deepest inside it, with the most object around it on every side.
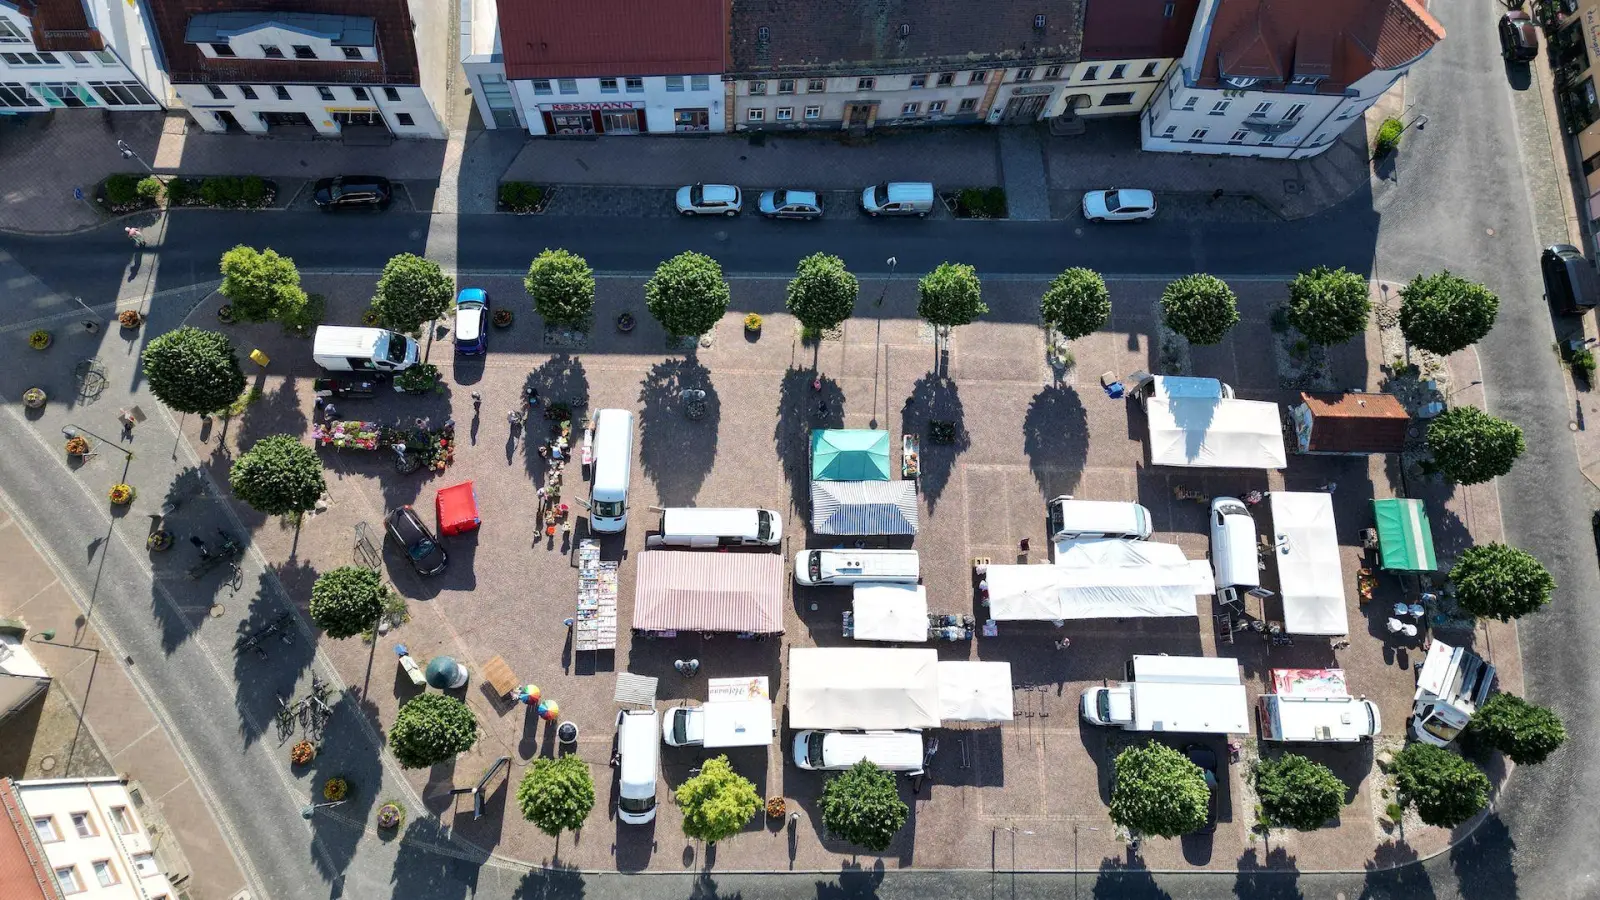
(201, 546)
(692, 668)
(1064, 643)
(135, 235)
(423, 423)
(1024, 545)
(477, 401)
(449, 423)
(329, 411)
(514, 418)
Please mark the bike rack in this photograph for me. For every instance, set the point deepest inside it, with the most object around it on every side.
(366, 551)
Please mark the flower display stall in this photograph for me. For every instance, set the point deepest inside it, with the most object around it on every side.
(348, 434)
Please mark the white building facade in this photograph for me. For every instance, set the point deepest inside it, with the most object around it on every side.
(94, 840)
(109, 63)
(646, 104)
(871, 99)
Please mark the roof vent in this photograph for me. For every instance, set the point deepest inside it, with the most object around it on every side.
(905, 30)
(763, 34)
(1038, 21)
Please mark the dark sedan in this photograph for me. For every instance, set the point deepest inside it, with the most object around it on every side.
(1519, 39)
(422, 549)
(353, 192)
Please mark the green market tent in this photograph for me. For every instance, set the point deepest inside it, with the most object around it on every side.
(1405, 539)
(850, 454)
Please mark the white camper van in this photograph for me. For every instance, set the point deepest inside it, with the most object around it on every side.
(896, 751)
(613, 470)
(1189, 694)
(341, 348)
(1093, 520)
(1234, 558)
(850, 566)
(697, 527)
(1314, 706)
(637, 752)
(1453, 683)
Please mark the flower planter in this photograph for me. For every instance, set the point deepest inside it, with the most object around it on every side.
(391, 815)
(130, 319)
(158, 541)
(302, 753)
(77, 446)
(40, 339)
(752, 323)
(121, 494)
(625, 322)
(775, 807)
(335, 789)
(225, 314)
(34, 398)
(502, 318)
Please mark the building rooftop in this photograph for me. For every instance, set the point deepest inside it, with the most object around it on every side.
(24, 870)
(62, 25)
(596, 38)
(392, 36)
(342, 31)
(1136, 29)
(1336, 41)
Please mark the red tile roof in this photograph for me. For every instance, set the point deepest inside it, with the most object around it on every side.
(397, 53)
(24, 871)
(1136, 29)
(1340, 40)
(62, 25)
(596, 38)
(1357, 423)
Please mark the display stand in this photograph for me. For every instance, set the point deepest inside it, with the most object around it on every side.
(595, 627)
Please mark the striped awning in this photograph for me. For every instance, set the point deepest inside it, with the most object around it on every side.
(688, 590)
(864, 507)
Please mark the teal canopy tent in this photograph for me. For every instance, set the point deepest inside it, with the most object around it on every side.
(852, 454)
(1405, 539)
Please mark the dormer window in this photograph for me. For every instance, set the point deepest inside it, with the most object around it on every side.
(222, 50)
(301, 51)
(352, 53)
(1241, 82)
(272, 51)
(1306, 80)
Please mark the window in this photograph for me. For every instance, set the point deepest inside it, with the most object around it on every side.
(1199, 134)
(45, 826)
(919, 81)
(1295, 111)
(936, 107)
(756, 115)
(29, 59)
(634, 85)
(1189, 102)
(105, 873)
(67, 878)
(866, 84)
(1025, 74)
(1305, 80)
(816, 85)
(404, 119)
(758, 88)
(224, 50)
(785, 114)
(675, 83)
(272, 51)
(1119, 70)
(1238, 137)
(1121, 98)
(911, 109)
(9, 33)
(1268, 138)
(1262, 109)
(968, 105)
(1169, 131)
(351, 52)
(360, 93)
(76, 58)
(946, 79)
(68, 94)
(16, 96)
(1169, 10)
(763, 34)
(84, 825)
(1219, 107)
(567, 85)
(977, 77)
(1053, 72)
(608, 86)
(281, 92)
(301, 51)
(786, 86)
(145, 865)
(813, 112)
(250, 92)
(1149, 71)
(541, 85)
(325, 94)
(699, 82)
(217, 93)
(106, 57)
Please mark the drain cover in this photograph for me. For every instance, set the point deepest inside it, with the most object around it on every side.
(1293, 186)
(217, 609)
(47, 764)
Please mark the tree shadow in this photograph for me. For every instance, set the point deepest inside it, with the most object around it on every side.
(1126, 879)
(347, 753)
(801, 408)
(677, 452)
(422, 871)
(935, 398)
(551, 881)
(271, 666)
(853, 883)
(1484, 862)
(1056, 439)
(1274, 877)
(560, 379)
(277, 412)
(1395, 871)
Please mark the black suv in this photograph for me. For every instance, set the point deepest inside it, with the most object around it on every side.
(1519, 39)
(1570, 282)
(353, 192)
(422, 549)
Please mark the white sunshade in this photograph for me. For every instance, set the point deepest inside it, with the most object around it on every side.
(1310, 576)
(1225, 434)
(890, 612)
(862, 687)
(975, 691)
(1100, 580)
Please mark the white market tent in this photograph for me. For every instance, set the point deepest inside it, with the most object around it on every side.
(890, 612)
(1210, 433)
(975, 691)
(863, 687)
(1100, 580)
(1309, 573)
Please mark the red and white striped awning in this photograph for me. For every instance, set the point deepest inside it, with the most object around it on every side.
(687, 590)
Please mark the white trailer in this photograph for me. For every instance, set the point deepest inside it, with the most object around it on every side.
(1314, 706)
(737, 713)
(1188, 694)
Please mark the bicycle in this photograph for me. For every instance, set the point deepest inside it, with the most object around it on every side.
(208, 560)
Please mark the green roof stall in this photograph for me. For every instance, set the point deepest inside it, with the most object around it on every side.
(849, 454)
(1405, 539)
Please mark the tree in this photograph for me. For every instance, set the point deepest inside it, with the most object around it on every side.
(862, 805)
(347, 601)
(687, 294)
(278, 476)
(430, 729)
(822, 293)
(1201, 308)
(562, 287)
(1445, 789)
(556, 794)
(950, 295)
(1494, 581)
(411, 291)
(1524, 731)
(1157, 790)
(718, 802)
(1076, 304)
(1329, 306)
(1443, 313)
(193, 371)
(1469, 446)
(1298, 793)
(261, 286)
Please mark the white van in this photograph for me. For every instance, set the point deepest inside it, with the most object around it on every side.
(613, 469)
(1234, 558)
(851, 566)
(637, 748)
(896, 751)
(1179, 387)
(898, 198)
(1093, 520)
(341, 348)
(696, 527)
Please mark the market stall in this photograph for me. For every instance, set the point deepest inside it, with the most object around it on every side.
(888, 612)
(1310, 576)
(1405, 537)
(686, 590)
(1215, 433)
(1099, 580)
(456, 508)
(849, 454)
(595, 626)
(864, 507)
(973, 691)
(858, 687)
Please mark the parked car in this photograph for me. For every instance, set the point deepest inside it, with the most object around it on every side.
(352, 192)
(1519, 37)
(790, 205)
(472, 321)
(1118, 205)
(422, 549)
(1570, 282)
(710, 200)
(1206, 759)
(898, 198)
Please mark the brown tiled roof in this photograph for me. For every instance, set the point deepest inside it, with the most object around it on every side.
(596, 38)
(24, 871)
(1136, 29)
(1339, 40)
(397, 54)
(816, 37)
(62, 25)
(1357, 423)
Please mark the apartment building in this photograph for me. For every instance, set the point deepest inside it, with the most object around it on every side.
(72, 837)
(1129, 46)
(77, 54)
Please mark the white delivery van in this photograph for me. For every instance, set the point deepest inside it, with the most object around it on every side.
(696, 527)
(613, 469)
(1093, 520)
(851, 566)
(341, 348)
(1286, 717)
(1234, 558)
(1453, 683)
(1179, 387)
(1189, 694)
(898, 198)
(897, 751)
(637, 751)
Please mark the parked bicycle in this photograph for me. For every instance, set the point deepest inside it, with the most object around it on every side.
(210, 559)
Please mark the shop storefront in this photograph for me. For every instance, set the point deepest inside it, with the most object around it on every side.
(691, 120)
(603, 117)
(1573, 49)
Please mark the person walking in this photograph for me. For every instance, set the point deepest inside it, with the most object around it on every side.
(134, 235)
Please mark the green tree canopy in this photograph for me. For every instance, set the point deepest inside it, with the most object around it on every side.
(862, 805)
(1445, 789)
(822, 293)
(411, 291)
(347, 601)
(1076, 304)
(193, 371)
(687, 295)
(950, 295)
(556, 795)
(562, 287)
(1298, 793)
(1157, 790)
(718, 803)
(278, 476)
(430, 729)
(1469, 446)
(1201, 308)
(261, 286)
(1494, 581)
(1329, 306)
(1443, 313)
(1524, 731)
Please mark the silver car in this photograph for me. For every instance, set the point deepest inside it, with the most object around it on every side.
(709, 200)
(786, 204)
(1120, 205)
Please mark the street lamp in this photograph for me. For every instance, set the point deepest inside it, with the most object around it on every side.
(48, 636)
(877, 340)
(310, 809)
(129, 153)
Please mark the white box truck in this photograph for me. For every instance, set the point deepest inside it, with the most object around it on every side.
(1453, 683)
(1188, 694)
(342, 348)
(1314, 706)
(737, 713)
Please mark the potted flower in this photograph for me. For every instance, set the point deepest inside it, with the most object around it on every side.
(775, 807)
(335, 789)
(158, 541)
(225, 314)
(39, 339)
(130, 318)
(77, 446)
(391, 815)
(419, 379)
(752, 323)
(33, 398)
(303, 753)
(625, 322)
(502, 318)
(121, 494)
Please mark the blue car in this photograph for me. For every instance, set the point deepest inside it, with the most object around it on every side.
(472, 321)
